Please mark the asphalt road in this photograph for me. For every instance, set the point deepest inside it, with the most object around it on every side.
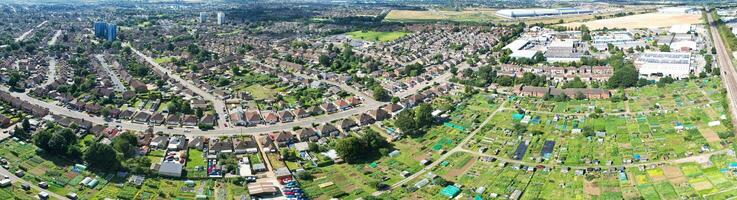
(118, 85)
(727, 67)
(218, 104)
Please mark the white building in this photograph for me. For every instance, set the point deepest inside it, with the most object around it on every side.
(620, 39)
(680, 28)
(654, 65)
(221, 18)
(677, 10)
(517, 45)
(522, 13)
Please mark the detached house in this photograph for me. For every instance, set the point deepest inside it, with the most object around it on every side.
(305, 134)
(347, 124)
(301, 113)
(365, 119)
(271, 118)
(328, 130)
(281, 138)
(286, 116)
(328, 107)
(253, 118)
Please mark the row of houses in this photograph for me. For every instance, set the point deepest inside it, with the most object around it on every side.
(561, 74)
(35, 110)
(256, 117)
(593, 93)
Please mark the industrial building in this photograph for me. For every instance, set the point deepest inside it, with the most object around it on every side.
(522, 13)
(564, 51)
(620, 39)
(678, 10)
(654, 65)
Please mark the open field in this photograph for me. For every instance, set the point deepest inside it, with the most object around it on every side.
(376, 36)
(640, 21)
(480, 15)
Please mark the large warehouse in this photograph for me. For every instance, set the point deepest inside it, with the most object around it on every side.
(520, 13)
(654, 65)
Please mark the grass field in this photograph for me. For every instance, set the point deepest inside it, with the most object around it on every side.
(640, 21)
(475, 15)
(376, 36)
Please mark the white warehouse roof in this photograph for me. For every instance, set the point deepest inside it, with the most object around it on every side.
(514, 13)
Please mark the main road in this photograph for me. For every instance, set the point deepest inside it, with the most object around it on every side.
(223, 131)
(727, 67)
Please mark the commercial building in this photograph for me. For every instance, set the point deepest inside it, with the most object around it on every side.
(221, 18)
(522, 13)
(654, 65)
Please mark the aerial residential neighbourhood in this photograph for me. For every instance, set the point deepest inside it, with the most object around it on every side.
(368, 99)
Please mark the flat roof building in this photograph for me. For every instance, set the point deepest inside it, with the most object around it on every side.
(654, 65)
(541, 12)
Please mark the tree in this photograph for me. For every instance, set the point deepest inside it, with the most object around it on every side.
(664, 48)
(101, 156)
(380, 94)
(125, 144)
(624, 77)
(580, 96)
(423, 115)
(313, 147)
(406, 121)
(289, 154)
(138, 165)
(304, 175)
(21, 133)
(26, 125)
(350, 149)
(324, 60)
(713, 50)
(41, 139)
(57, 143)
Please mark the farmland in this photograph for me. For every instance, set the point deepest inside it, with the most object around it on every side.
(648, 20)
(475, 15)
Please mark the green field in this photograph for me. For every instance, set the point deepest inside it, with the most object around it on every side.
(376, 36)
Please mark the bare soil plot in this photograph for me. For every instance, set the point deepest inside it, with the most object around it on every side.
(674, 175)
(709, 135)
(649, 20)
(453, 174)
(590, 188)
(476, 15)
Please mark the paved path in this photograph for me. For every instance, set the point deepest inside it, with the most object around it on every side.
(24, 35)
(218, 104)
(50, 73)
(727, 68)
(458, 148)
(118, 86)
(55, 38)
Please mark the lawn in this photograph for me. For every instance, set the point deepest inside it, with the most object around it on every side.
(195, 159)
(261, 92)
(377, 36)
